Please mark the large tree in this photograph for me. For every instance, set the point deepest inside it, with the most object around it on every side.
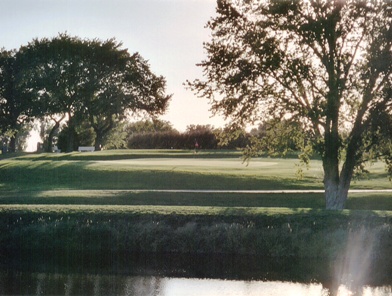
(92, 80)
(325, 64)
(14, 104)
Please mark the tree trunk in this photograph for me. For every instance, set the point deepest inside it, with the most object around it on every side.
(52, 132)
(70, 138)
(71, 134)
(335, 195)
(12, 144)
(4, 147)
(48, 147)
(334, 200)
(337, 186)
(101, 131)
(98, 141)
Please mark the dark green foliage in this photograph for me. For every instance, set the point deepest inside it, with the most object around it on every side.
(325, 65)
(144, 135)
(151, 134)
(277, 138)
(236, 231)
(86, 81)
(83, 135)
(15, 103)
(155, 140)
(63, 137)
(148, 126)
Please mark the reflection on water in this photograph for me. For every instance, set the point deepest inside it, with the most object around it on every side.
(175, 275)
(18, 283)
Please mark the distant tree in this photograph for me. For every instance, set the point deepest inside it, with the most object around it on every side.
(117, 137)
(277, 137)
(49, 128)
(201, 135)
(63, 137)
(23, 135)
(85, 135)
(232, 137)
(147, 126)
(89, 80)
(156, 140)
(152, 134)
(325, 64)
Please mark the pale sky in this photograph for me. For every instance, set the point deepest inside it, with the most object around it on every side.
(168, 33)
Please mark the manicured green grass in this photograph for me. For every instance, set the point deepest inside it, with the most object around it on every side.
(128, 154)
(359, 201)
(184, 170)
(109, 197)
(95, 178)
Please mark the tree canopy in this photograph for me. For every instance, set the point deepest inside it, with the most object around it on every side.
(323, 64)
(15, 109)
(87, 80)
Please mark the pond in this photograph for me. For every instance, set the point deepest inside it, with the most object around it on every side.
(187, 275)
(95, 284)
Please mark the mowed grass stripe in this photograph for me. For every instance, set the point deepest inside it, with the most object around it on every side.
(143, 210)
(130, 197)
(364, 201)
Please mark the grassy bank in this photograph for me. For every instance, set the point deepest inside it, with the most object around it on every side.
(274, 232)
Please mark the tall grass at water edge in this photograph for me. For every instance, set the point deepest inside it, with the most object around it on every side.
(273, 232)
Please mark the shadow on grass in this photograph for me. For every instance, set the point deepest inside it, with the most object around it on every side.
(120, 154)
(51, 175)
(125, 154)
(370, 201)
(48, 182)
(164, 199)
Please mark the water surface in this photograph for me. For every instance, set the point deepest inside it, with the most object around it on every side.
(188, 275)
(95, 284)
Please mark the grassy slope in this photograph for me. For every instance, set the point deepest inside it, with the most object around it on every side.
(151, 171)
(75, 178)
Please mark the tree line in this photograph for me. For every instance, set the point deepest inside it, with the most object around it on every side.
(157, 134)
(160, 134)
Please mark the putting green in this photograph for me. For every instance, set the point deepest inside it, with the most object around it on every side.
(167, 162)
(220, 166)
